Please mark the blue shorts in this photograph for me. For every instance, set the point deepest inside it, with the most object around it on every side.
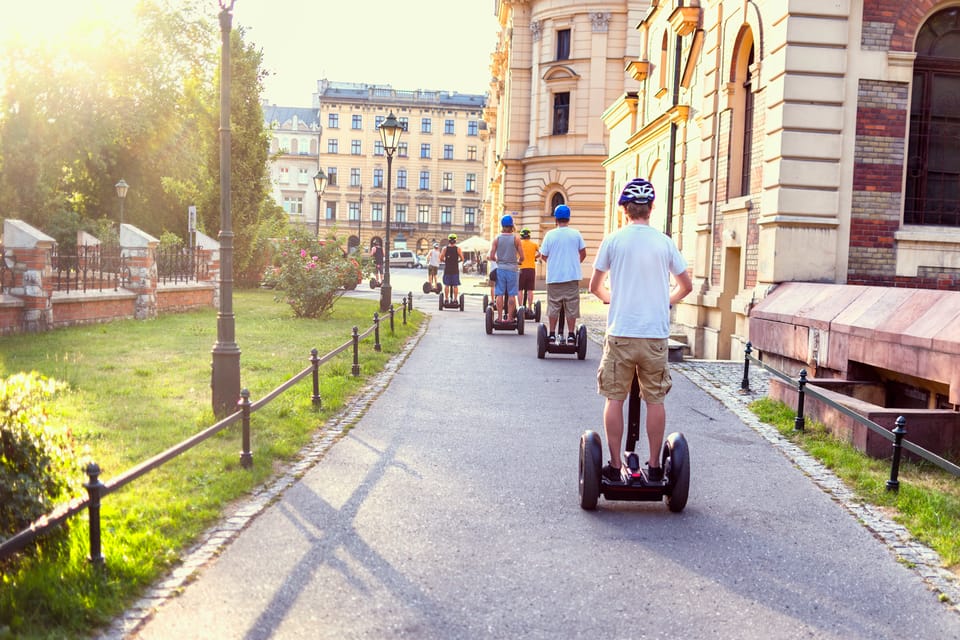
(451, 279)
(507, 282)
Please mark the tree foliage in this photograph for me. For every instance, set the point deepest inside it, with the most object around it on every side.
(105, 105)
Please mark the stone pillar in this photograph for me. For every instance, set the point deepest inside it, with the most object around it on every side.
(139, 250)
(31, 250)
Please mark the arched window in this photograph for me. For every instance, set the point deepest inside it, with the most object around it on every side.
(932, 194)
(741, 125)
(556, 201)
(664, 45)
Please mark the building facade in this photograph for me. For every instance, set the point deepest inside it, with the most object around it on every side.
(295, 134)
(817, 146)
(557, 66)
(437, 171)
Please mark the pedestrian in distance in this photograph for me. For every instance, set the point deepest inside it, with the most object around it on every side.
(376, 252)
(563, 250)
(492, 278)
(433, 264)
(452, 257)
(508, 254)
(638, 260)
(528, 268)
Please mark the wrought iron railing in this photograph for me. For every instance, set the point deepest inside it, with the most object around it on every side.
(91, 268)
(180, 263)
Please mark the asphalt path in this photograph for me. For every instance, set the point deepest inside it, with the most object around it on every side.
(450, 510)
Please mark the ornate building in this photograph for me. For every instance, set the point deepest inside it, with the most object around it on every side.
(819, 146)
(294, 146)
(437, 171)
(558, 65)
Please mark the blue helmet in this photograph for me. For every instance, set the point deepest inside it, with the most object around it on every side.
(637, 190)
(562, 212)
(506, 221)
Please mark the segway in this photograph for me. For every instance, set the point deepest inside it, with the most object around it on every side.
(544, 346)
(487, 302)
(532, 308)
(451, 302)
(496, 319)
(634, 483)
(374, 283)
(437, 288)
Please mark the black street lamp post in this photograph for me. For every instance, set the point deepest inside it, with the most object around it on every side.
(320, 184)
(121, 188)
(390, 130)
(225, 381)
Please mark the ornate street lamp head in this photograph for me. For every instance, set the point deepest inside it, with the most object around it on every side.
(320, 182)
(121, 188)
(390, 131)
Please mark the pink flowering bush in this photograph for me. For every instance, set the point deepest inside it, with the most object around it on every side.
(310, 275)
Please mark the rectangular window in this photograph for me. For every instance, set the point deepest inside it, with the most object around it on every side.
(332, 145)
(448, 152)
(561, 113)
(423, 213)
(425, 126)
(563, 44)
(353, 213)
(355, 147)
(402, 150)
(469, 216)
(356, 122)
(304, 177)
(446, 215)
(284, 175)
(472, 152)
(447, 183)
(378, 147)
(425, 150)
(331, 176)
(376, 212)
(354, 177)
(448, 127)
(472, 127)
(424, 180)
(400, 212)
(331, 213)
(471, 184)
(404, 122)
(378, 178)
(293, 204)
(378, 121)
(333, 120)
(401, 178)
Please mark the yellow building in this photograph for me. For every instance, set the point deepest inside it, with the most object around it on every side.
(557, 66)
(437, 171)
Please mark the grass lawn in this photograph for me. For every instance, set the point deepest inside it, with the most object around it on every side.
(136, 388)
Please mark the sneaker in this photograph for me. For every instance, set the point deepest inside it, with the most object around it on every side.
(654, 474)
(611, 473)
(571, 339)
(552, 338)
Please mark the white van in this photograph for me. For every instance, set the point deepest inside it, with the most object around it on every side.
(404, 258)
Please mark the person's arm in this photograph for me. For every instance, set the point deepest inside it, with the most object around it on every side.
(598, 285)
(683, 286)
(519, 246)
(583, 254)
(493, 250)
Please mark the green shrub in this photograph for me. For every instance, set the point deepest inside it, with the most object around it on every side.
(310, 275)
(38, 468)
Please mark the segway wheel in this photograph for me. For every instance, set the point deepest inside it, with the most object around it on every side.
(541, 341)
(437, 289)
(441, 302)
(521, 314)
(591, 456)
(373, 283)
(582, 342)
(536, 311)
(461, 302)
(675, 460)
(486, 302)
(488, 318)
(427, 288)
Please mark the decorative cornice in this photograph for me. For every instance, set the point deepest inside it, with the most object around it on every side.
(638, 69)
(684, 20)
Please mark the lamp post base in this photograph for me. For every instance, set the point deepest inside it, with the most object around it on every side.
(225, 379)
(385, 297)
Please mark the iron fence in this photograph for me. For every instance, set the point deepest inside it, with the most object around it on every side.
(181, 263)
(91, 268)
(97, 490)
(896, 436)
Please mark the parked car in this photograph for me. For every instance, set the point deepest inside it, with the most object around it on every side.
(421, 262)
(404, 258)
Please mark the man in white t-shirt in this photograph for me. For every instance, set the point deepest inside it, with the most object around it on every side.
(433, 265)
(563, 250)
(639, 261)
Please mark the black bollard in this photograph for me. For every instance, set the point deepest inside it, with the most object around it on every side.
(356, 353)
(246, 457)
(315, 361)
(745, 383)
(800, 422)
(376, 332)
(893, 484)
(94, 489)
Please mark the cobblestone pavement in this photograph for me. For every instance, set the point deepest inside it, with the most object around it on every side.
(722, 379)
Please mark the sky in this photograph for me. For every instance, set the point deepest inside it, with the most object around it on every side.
(409, 44)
